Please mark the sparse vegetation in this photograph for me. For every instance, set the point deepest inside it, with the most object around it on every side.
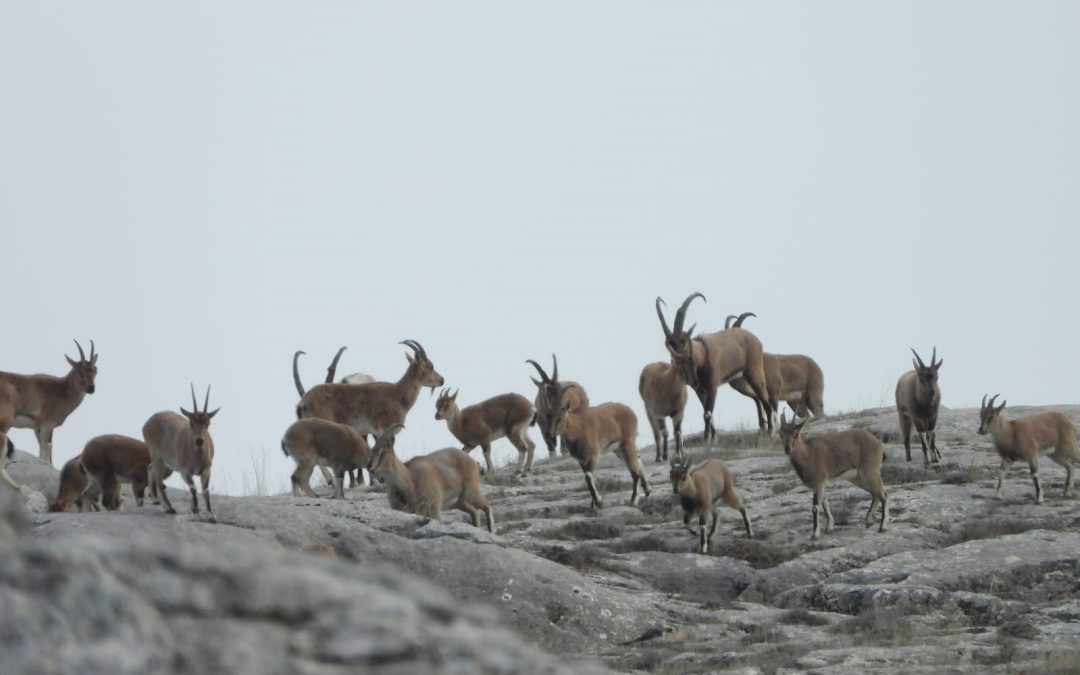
(803, 617)
(589, 528)
(583, 558)
(878, 626)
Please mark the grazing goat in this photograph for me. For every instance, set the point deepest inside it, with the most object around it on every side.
(508, 415)
(1022, 440)
(183, 444)
(550, 389)
(709, 361)
(375, 407)
(113, 459)
(427, 484)
(855, 454)
(586, 434)
(699, 488)
(43, 402)
(315, 441)
(664, 395)
(917, 400)
(76, 488)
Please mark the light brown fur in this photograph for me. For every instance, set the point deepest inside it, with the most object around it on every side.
(76, 488)
(506, 415)
(427, 484)
(588, 433)
(183, 444)
(43, 402)
(317, 442)
(1023, 440)
(699, 488)
(375, 407)
(792, 378)
(918, 398)
(664, 395)
(550, 390)
(855, 454)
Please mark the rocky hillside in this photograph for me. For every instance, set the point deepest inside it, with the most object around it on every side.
(961, 582)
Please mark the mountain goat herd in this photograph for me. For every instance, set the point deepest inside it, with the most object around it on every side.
(336, 419)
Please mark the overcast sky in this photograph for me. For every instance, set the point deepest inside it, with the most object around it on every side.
(204, 188)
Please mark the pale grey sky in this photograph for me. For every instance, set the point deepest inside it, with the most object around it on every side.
(205, 187)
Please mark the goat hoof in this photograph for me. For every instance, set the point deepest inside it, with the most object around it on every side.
(171, 511)
(211, 519)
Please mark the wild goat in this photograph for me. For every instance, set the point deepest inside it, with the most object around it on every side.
(184, 445)
(355, 378)
(699, 488)
(568, 391)
(375, 407)
(1023, 439)
(315, 441)
(427, 484)
(76, 488)
(709, 361)
(43, 402)
(917, 400)
(587, 433)
(508, 415)
(664, 395)
(855, 454)
(113, 459)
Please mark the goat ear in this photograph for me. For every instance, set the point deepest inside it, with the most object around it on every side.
(408, 358)
(211, 415)
(1002, 406)
(537, 382)
(185, 413)
(937, 367)
(73, 363)
(915, 365)
(93, 359)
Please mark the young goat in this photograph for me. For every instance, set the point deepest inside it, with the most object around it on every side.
(43, 402)
(508, 415)
(699, 488)
(314, 441)
(76, 488)
(113, 459)
(664, 395)
(550, 389)
(375, 407)
(427, 484)
(707, 362)
(917, 400)
(184, 445)
(855, 454)
(1022, 440)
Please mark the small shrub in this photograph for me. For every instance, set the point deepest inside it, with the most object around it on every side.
(962, 475)
(589, 528)
(878, 626)
(582, 558)
(803, 617)
(1020, 628)
(760, 554)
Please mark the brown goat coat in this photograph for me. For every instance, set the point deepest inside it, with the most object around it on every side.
(315, 442)
(792, 378)
(589, 433)
(1024, 439)
(664, 394)
(112, 459)
(505, 415)
(171, 441)
(567, 392)
(700, 489)
(855, 454)
(73, 485)
(427, 484)
(917, 406)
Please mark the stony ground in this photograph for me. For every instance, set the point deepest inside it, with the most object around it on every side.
(962, 582)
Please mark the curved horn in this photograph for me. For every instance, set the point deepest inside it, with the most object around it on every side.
(82, 354)
(917, 358)
(728, 320)
(92, 350)
(554, 370)
(416, 347)
(296, 372)
(933, 358)
(331, 371)
(206, 401)
(990, 403)
(660, 313)
(983, 404)
(680, 314)
(194, 403)
(543, 375)
(743, 317)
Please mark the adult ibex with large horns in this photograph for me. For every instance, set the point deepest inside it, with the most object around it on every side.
(707, 362)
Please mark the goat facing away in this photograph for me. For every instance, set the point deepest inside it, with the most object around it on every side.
(707, 362)
(315, 442)
(664, 395)
(112, 459)
(506, 415)
(549, 389)
(699, 488)
(918, 398)
(855, 455)
(1022, 440)
(427, 484)
(183, 444)
(43, 402)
